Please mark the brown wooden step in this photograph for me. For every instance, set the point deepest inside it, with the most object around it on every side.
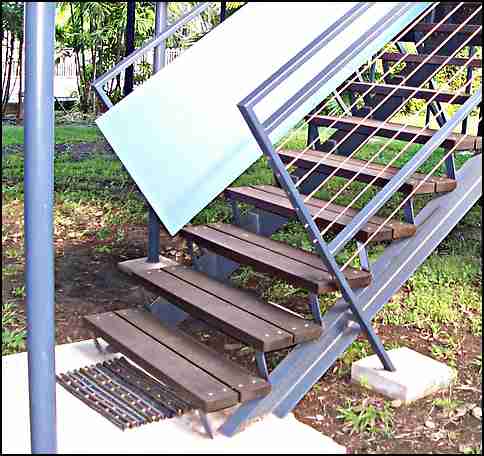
(444, 30)
(406, 92)
(201, 375)
(300, 268)
(389, 129)
(431, 60)
(238, 313)
(330, 162)
(275, 200)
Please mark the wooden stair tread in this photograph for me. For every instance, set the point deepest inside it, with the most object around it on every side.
(301, 329)
(329, 162)
(275, 200)
(200, 375)
(406, 92)
(448, 27)
(431, 60)
(235, 312)
(300, 268)
(442, 31)
(389, 129)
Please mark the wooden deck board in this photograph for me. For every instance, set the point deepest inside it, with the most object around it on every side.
(394, 228)
(389, 130)
(366, 172)
(406, 92)
(431, 59)
(302, 330)
(273, 199)
(248, 386)
(265, 257)
(258, 333)
(194, 384)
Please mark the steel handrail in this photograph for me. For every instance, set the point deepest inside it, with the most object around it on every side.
(135, 55)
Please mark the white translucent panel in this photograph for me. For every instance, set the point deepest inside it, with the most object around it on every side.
(181, 135)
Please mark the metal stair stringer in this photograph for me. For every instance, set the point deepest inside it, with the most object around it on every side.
(305, 365)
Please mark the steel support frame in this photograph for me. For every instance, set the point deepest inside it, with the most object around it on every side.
(315, 308)
(305, 364)
(328, 347)
(38, 211)
(261, 129)
(409, 211)
(154, 225)
(468, 91)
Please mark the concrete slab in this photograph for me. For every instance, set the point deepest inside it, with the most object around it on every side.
(416, 375)
(81, 430)
(142, 265)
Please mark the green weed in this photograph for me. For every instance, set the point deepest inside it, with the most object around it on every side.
(366, 418)
(13, 337)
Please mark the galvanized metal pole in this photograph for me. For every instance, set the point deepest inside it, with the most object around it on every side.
(38, 212)
(161, 20)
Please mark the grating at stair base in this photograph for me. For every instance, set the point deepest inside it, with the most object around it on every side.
(123, 393)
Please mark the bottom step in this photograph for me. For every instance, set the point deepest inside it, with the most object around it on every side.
(200, 375)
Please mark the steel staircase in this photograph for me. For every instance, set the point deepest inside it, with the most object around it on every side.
(446, 34)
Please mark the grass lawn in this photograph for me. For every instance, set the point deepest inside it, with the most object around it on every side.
(13, 135)
(100, 219)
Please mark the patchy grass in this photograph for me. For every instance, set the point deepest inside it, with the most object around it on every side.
(63, 134)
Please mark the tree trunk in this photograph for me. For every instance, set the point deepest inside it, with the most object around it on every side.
(19, 115)
(130, 36)
(6, 88)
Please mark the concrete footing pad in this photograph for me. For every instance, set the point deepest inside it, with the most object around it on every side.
(83, 431)
(416, 375)
(141, 265)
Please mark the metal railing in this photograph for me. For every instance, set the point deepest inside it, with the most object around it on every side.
(403, 175)
(262, 129)
(415, 190)
(438, 112)
(152, 44)
(389, 95)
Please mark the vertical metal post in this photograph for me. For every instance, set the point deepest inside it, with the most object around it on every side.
(468, 91)
(38, 213)
(260, 359)
(130, 37)
(409, 211)
(223, 11)
(161, 19)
